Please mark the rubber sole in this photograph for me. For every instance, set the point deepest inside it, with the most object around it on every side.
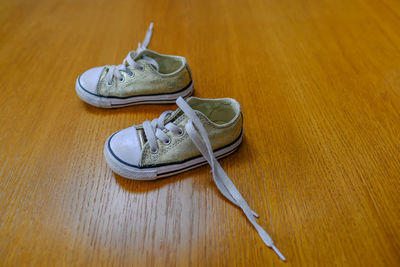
(152, 173)
(118, 102)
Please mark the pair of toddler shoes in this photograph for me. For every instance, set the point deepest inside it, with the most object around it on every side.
(198, 132)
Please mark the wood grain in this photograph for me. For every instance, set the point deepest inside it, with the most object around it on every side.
(319, 86)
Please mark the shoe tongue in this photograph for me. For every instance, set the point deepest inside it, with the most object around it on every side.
(149, 61)
(144, 59)
(171, 118)
(141, 137)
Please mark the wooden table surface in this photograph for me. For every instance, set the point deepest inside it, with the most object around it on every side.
(319, 85)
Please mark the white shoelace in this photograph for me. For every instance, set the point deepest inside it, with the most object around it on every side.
(199, 136)
(154, 130)
(115, 70)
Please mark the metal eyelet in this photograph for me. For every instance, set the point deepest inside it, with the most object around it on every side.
(181, 132)
(110, 83)
(132, 74)
(122, 79)
(141, 68)
(154, 151)
(168, 141)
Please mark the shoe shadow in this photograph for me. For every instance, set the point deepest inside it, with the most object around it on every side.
(144, 187)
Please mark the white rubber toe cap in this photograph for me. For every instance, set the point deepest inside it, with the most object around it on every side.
(90, 78)
(124, 146)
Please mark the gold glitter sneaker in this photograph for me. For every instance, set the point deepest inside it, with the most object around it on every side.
(144, 77)
(198, 132)
(164, 147)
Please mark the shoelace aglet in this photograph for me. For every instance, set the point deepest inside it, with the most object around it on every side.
(279, 253)
(255, 214)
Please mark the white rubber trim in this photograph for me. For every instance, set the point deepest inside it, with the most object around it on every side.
(167, 170)
(104, 102)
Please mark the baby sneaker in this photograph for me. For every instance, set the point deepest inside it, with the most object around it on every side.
(167, 145)
(198, 132)
(144, 77)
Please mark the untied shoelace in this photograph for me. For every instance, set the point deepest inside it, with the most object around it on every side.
(199, 136)
(115, 70)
